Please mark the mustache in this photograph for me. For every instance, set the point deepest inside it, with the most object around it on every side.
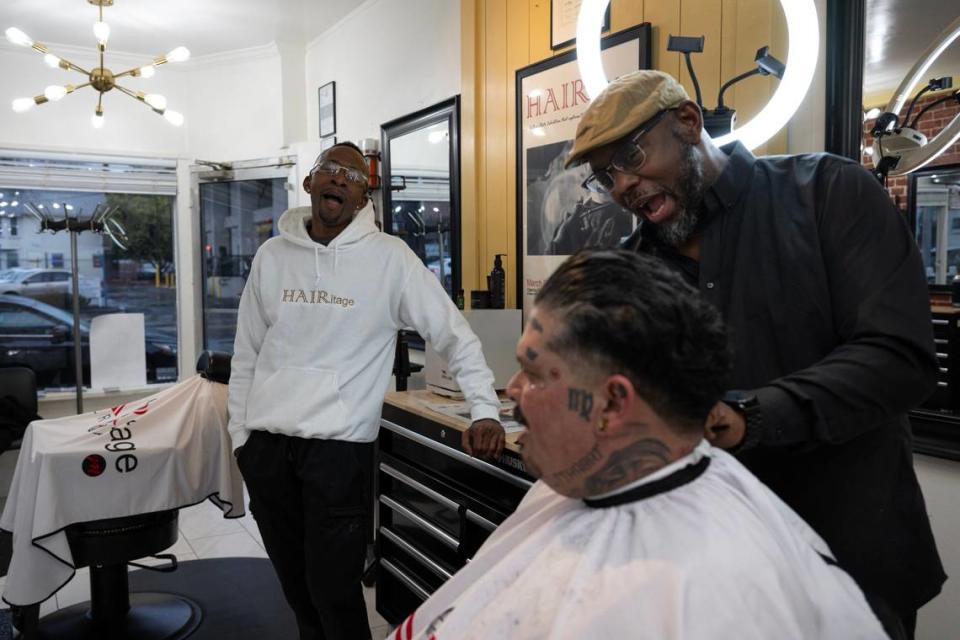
(518, 415)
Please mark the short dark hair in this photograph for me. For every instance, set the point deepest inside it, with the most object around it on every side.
(348, 144)
(627, 313)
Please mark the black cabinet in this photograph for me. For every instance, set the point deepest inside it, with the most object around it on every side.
(436, 506)
(936, 422)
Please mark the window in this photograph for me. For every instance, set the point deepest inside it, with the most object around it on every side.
(13, 226)
(36, 282)
(236, 218)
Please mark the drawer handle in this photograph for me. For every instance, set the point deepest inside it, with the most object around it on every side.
(476, 518)
(416, 553)
(942, 355)
(407, 581)
(942, 384)
(457, 455)
(937, 321)
(421, 522)
(419, 487)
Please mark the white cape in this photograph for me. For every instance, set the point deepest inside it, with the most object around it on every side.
(719, 557)
(168, 450)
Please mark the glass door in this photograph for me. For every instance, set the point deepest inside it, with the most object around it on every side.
(239, 210)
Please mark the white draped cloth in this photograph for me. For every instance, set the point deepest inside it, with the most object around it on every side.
(717, 557)
(165, 451)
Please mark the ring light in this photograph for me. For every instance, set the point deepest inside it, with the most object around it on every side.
(914, 156)
(802, 29)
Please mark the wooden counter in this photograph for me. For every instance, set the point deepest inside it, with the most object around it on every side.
(415, 402)
(436, 503)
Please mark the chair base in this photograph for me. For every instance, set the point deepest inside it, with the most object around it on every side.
(152, 616)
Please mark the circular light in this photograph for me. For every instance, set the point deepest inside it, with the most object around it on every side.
(156, 101)
(97, 120)
(180, 54)
(16, 36)
(916, 158)
(54, 92)
(101, 30)
(148, 71)
(56, 206)
(173, 117)
(51, 60)
(23, 104)
(802, 30)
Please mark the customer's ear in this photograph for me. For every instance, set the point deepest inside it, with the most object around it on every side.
(619, 398)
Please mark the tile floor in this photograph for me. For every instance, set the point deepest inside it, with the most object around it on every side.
(204, 533)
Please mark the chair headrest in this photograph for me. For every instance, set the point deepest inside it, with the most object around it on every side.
(215, 366)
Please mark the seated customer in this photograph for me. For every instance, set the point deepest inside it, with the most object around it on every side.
(638, 527)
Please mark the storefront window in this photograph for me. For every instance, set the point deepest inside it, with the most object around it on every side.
(36, 320)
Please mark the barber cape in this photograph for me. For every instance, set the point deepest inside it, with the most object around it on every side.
(168, 450)
(700, 549)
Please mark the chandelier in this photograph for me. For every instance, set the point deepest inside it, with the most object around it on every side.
(100, 78)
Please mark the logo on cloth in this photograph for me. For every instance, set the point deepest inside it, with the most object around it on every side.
(315, 296)
(94, 465)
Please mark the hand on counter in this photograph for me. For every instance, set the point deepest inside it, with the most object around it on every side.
(484, 439)
(725, 426)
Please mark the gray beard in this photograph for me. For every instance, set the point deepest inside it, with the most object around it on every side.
(676, 232)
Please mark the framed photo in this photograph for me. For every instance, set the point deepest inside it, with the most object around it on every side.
(563, 22)
(328, 109)
(556, 216)
(326, 143)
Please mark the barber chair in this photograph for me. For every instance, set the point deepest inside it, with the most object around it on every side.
(107, 547)
(18, 404)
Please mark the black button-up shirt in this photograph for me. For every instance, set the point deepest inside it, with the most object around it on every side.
(822, 288)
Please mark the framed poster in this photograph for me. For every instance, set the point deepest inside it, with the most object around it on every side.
(328, 109)
(326, 143)
(556, 216)
(563, 22)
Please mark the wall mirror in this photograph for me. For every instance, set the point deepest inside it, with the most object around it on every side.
(421, 187)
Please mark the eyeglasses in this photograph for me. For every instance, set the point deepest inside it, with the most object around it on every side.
(628, 158)
(332, 167)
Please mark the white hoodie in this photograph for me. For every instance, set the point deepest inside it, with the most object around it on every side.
(317, 331)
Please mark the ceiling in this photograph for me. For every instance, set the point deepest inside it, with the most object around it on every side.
(153, 27)
(897, 33)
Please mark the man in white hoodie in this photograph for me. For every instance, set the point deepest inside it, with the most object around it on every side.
(315, 342)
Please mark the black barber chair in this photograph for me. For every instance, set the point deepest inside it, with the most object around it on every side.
(18, 404)
(107, 547)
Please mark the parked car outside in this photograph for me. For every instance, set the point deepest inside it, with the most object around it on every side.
(50, 285)
(40, 336)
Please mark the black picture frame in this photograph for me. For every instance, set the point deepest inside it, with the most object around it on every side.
(566, 42)
(643, 34)
(327, 108)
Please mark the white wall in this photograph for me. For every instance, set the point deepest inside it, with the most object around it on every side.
(940, 481)
(388, 59)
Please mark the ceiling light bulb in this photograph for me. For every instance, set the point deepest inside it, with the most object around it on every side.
(97, 120)
(871, 114)
(56, 206)
(180, 54)
(54, 92)
(156, 101)
(69, 207)
(39, 206)
(23, 104)
(102, 32)
(3, 204)
(16, 36)
(51, 60)
(173, 117)
(148, 71)
(15, 203)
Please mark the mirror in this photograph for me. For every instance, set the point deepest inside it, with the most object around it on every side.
(421, 187)
(935, 205)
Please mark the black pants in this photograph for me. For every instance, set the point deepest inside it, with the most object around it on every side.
(308, 497)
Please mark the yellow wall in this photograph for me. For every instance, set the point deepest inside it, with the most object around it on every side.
(500, 36)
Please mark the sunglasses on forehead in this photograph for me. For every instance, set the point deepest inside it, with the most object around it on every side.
(332, 167)
(629, 157)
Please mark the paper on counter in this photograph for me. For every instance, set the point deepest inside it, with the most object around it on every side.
(117, 355)
(461, 411)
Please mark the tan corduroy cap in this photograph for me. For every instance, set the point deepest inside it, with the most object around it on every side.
(624, 105)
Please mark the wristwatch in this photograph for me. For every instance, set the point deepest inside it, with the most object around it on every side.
(749, 407)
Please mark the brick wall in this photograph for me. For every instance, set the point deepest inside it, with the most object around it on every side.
(932, 123)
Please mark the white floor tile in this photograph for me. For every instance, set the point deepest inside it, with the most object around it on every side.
(381, 632)
(250, 525)
(240, 545)
(205, 520)
(369, 595)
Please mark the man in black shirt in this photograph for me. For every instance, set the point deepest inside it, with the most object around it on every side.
(821, 284)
